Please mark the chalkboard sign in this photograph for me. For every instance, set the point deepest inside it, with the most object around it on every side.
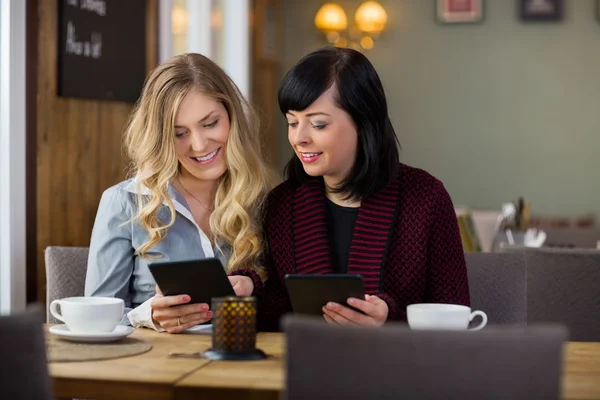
(101, 49)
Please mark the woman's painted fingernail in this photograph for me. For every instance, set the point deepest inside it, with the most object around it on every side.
(185, 298)
(204, 307)
(209, 314)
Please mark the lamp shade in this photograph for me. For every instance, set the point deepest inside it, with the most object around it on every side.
(371, 17)
(331, 17)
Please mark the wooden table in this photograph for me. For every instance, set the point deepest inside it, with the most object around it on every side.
(581, 371)
(154, 375)
(151, 375)
(239, 380)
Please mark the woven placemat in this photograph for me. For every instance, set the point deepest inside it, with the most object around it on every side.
(60, 350)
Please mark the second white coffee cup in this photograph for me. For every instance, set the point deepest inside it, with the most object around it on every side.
(434, 316)
(89, 314)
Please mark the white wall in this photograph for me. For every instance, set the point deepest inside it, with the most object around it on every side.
(12, 156)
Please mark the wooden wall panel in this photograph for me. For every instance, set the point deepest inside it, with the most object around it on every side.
(265, 68)
(79, 152)
(31, 147)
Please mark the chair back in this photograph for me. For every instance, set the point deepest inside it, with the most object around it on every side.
(394, 362)
(498, 286)
(563, 286)
(66, 268)
(584, 238)
(24, 368)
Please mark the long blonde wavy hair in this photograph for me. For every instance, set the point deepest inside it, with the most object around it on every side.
(150, 145)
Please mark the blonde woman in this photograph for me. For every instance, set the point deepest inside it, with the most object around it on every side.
(197, 191)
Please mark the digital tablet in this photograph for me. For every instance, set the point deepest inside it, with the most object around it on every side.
(200, 279)
(310, 293)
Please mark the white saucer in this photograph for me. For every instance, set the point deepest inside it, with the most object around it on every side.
(120, 332)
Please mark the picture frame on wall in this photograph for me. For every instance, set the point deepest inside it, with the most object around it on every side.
(541, 10)
(459, 11)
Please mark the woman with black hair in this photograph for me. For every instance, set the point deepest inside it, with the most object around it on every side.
(349, 206)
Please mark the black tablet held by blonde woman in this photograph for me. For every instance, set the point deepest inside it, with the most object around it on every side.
(310, 293)
(200, 279)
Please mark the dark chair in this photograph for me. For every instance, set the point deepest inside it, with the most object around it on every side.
(563, 286)
(498, 286)
(23, 364)
(332, 362)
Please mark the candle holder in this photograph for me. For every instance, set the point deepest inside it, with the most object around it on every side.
(234, 330)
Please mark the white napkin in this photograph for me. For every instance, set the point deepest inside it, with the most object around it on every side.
(199, 329)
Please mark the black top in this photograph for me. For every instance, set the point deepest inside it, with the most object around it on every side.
(341, 222)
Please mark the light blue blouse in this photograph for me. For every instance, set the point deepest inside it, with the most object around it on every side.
(113, 268)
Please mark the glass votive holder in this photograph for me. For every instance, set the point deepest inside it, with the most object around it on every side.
(234, 329)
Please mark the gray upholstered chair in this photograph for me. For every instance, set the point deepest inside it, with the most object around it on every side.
(66, 268)
(23, 365)
(563, 286)
(332, 362)
(498, 286)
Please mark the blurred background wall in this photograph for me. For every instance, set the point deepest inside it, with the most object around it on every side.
(496, 110)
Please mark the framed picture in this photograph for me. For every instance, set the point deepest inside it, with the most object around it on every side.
(459, 11)
(541, 10)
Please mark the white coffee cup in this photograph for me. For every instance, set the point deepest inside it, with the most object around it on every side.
(433, 316)
(89, 314)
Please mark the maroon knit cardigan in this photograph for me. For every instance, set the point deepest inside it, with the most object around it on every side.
(406, 244)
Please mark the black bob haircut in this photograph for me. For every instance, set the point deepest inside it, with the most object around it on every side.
(361, 95)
